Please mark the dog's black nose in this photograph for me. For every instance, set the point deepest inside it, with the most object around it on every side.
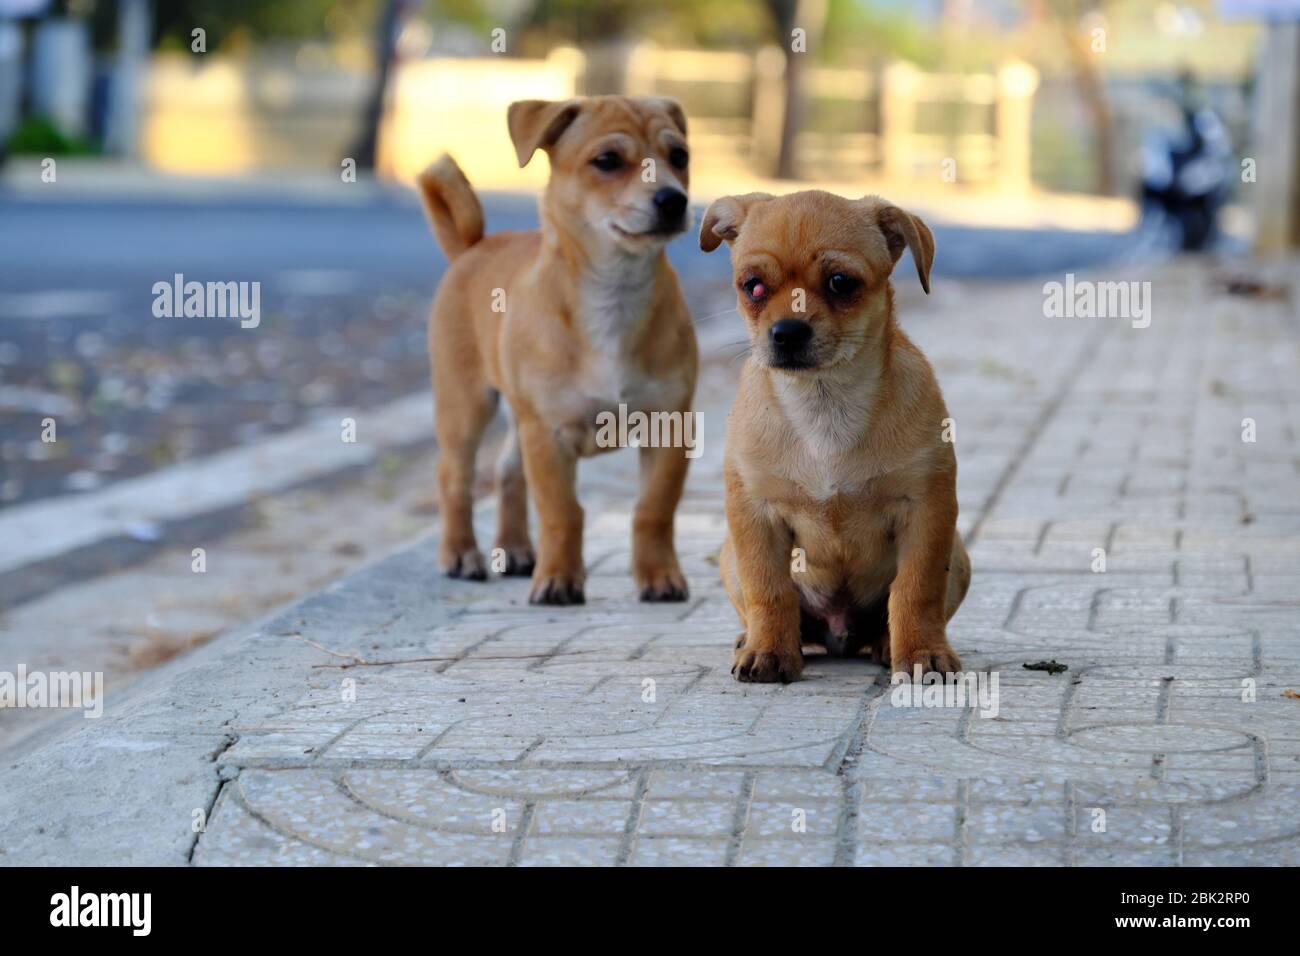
(670, 203)
(789, 336)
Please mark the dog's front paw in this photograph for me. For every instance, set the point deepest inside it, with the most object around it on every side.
(766, 665)
(930, 658)
(667, 585)
(467, 565)
(557, 589)
(518, 561)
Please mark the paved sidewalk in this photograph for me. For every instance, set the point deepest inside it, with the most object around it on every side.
(613, 733)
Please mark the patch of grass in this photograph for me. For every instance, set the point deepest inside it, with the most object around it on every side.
(37, 136)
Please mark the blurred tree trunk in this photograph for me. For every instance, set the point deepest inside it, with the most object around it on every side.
(788, 15)
(1088, 79)
(390, 23)
(1277, 141)
(1092, 90)
(134, 30)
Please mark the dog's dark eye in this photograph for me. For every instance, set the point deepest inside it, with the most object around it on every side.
(607, 162)
(679, 157)
(754, 288)
(841, 285)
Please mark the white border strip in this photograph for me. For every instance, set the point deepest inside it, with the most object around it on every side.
(45, 529)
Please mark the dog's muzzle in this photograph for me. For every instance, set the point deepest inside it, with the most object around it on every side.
(670, 210)
(789, 340)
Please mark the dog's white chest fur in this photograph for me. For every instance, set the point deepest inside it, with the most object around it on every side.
(829, 415)
(614, 309)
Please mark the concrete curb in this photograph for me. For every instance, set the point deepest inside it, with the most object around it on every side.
(53, 542)
(124, 790)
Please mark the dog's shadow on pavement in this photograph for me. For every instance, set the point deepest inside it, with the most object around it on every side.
(859, 669)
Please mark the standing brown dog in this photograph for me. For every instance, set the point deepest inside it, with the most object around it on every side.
(841, 492)
(567, 322)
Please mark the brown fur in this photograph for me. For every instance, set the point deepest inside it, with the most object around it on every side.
(593, 317)
(844, 459)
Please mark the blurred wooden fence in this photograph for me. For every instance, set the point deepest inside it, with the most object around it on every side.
(897, 122)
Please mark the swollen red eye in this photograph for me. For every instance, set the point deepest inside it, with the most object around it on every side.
(754, 288)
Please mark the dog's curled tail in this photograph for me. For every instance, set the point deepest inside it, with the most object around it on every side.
(454, 211)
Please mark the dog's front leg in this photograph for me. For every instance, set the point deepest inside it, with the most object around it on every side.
(760, 543)
(919, 592)
(551, 472)
(654, 559)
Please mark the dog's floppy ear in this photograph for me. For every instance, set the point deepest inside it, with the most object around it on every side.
(537, 124)
(901, 229)
(723, 218)
(669, 106)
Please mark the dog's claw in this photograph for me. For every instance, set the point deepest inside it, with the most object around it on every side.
(939, 659)
(560, 591)
(668, 586)
(520, 563)
(467, 566)
(766, 667)
(666, 592)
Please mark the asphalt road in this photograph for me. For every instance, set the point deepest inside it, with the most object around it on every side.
(344, 291)
(127, 245)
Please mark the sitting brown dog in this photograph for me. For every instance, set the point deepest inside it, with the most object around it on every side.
(841, 490)
(569, 323)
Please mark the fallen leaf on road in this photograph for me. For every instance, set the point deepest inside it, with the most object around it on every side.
(1052, 667)
(1253, 288)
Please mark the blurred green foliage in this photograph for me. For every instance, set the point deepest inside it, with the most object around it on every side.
(856, 32)
(233, 22)
(37, 136)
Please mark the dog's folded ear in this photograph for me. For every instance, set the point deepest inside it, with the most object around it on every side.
(669, 106)
(724, 217)
(537, 124)
(901, 229)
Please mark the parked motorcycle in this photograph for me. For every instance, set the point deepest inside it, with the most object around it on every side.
(1185, 176)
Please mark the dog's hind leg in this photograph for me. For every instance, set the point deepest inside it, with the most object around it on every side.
(871, 629)
(731, 581)
(462, 411)
(654, 559)
(875, 621)
(512, 507)
(958, 578)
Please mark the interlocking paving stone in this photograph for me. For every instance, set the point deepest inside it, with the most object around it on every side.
(613, 733)
(677, 851)
(1149, 723)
